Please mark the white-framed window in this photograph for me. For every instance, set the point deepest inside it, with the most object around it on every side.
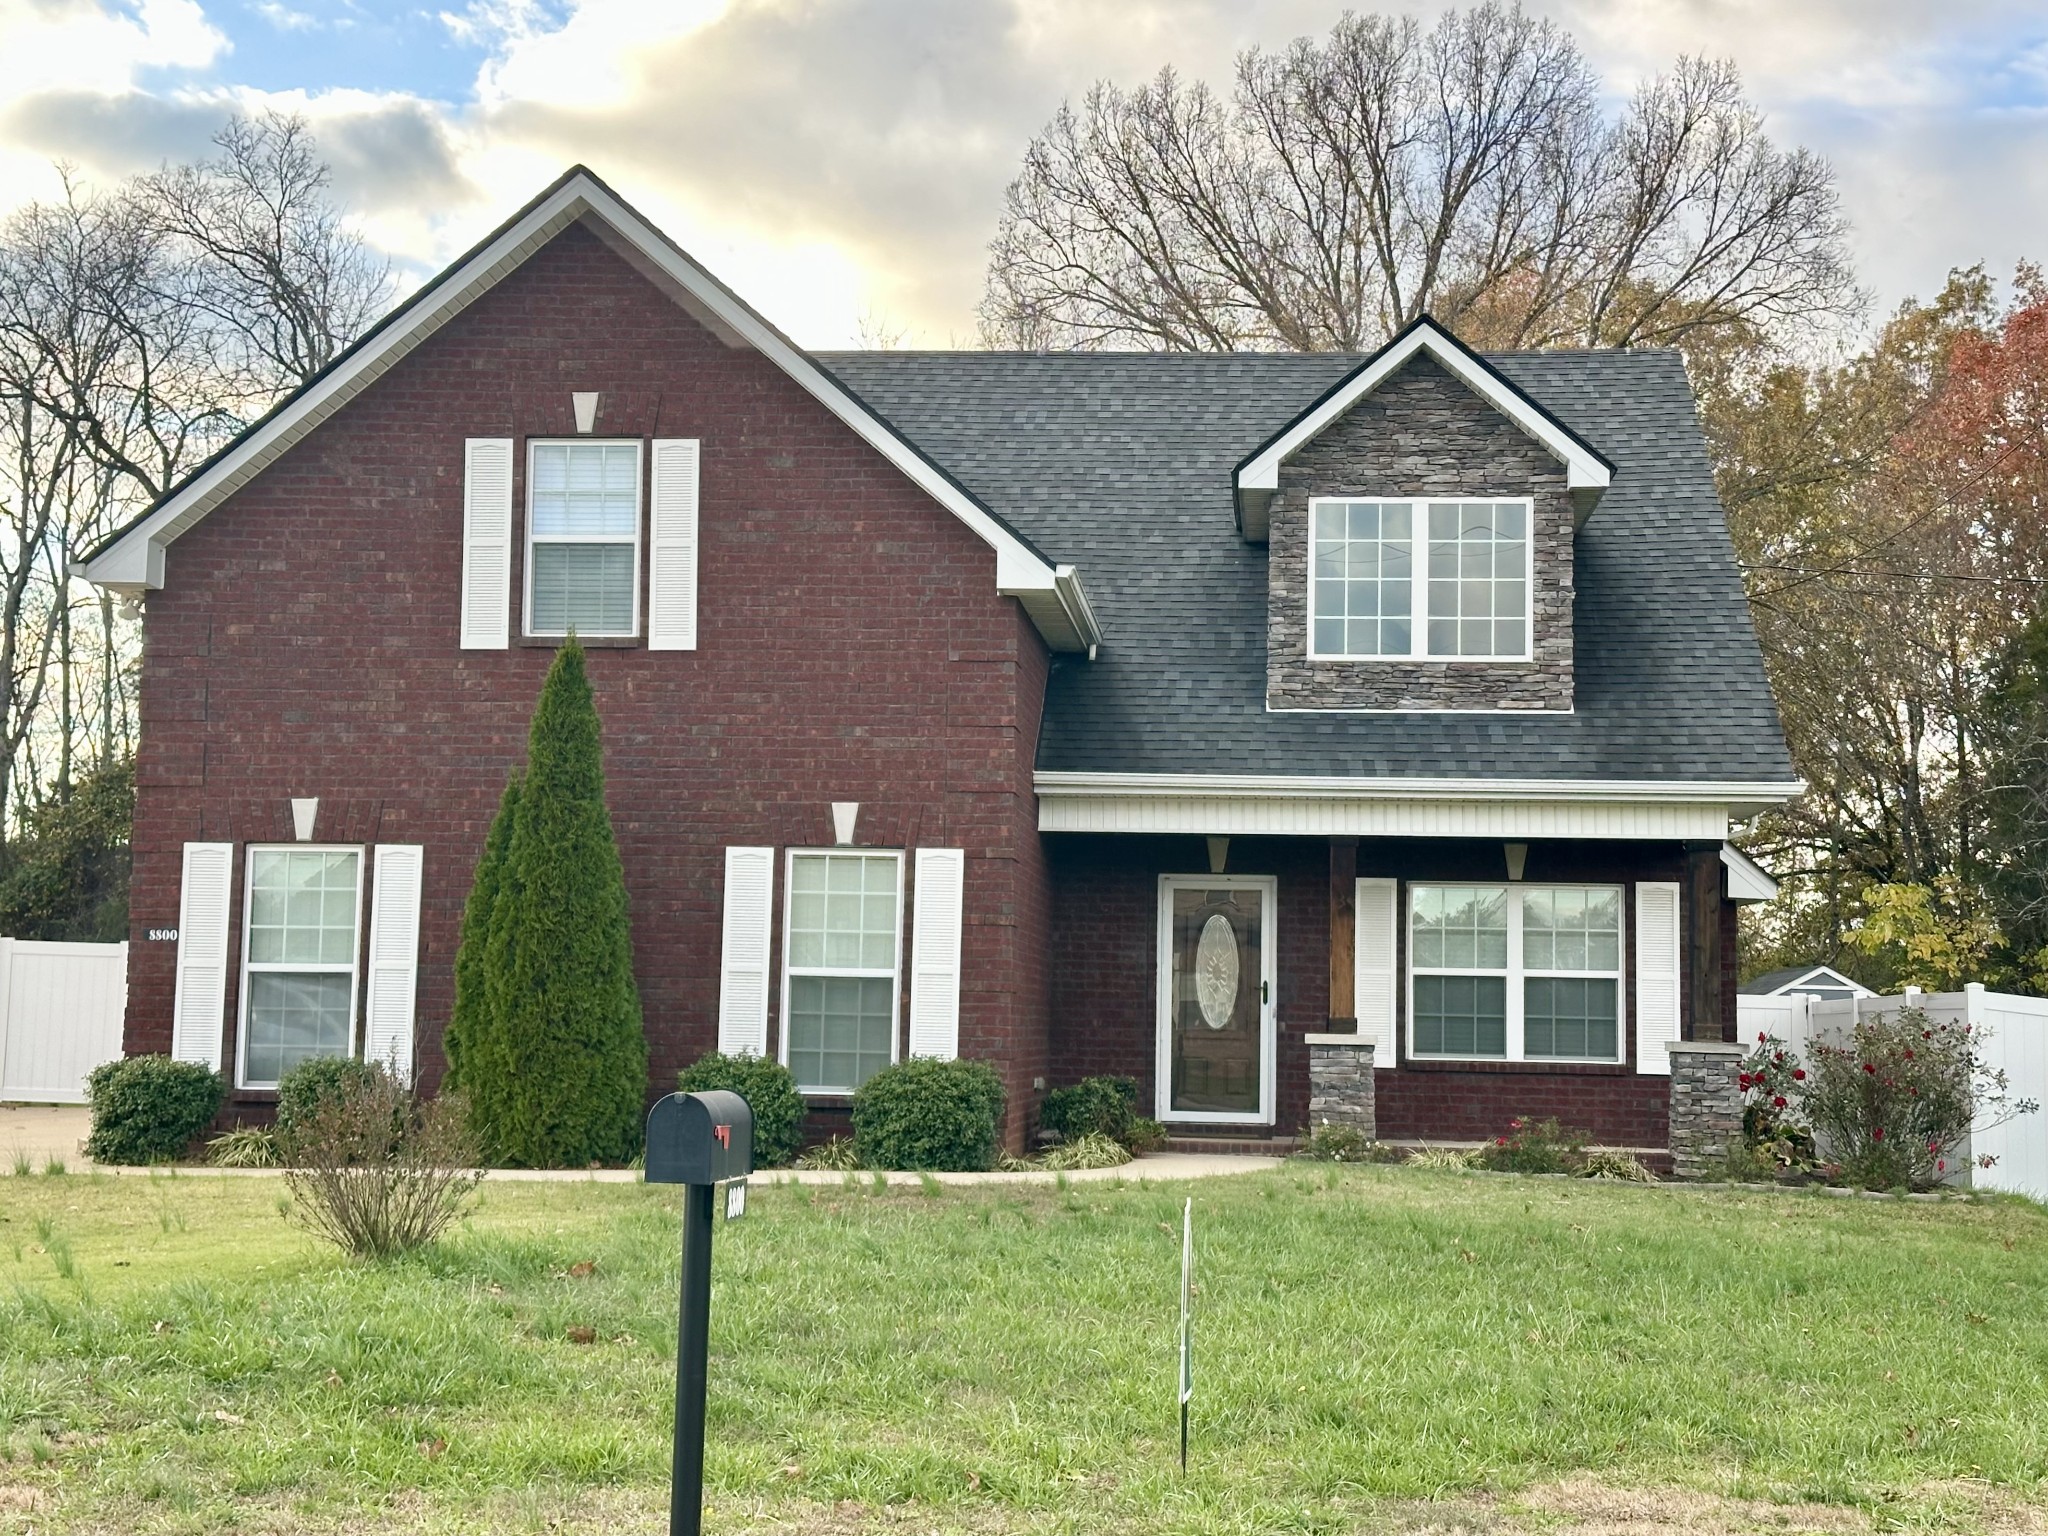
(841, 947)
(583, 537)
(301, 932)
(1511, 972)
(1419, 579)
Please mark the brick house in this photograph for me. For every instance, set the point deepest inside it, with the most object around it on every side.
(1188, 717)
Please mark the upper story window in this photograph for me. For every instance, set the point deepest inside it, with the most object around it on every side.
(583, 538)
(1371, 598)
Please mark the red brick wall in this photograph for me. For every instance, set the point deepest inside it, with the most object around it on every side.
(1105, 904)
(851, 647)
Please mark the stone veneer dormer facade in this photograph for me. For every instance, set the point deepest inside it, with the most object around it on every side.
(1421, 434)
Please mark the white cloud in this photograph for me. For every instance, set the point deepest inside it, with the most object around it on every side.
(835, 157)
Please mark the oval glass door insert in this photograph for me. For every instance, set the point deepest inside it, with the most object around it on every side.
(1216, 971)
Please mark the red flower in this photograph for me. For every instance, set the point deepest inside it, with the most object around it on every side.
(1909, 1055)
(1940, 1167)
(1878, 1134)
(1761, 1037)
(1500, 1141)
(1779, 1058)
(1926, 1034)
(1869, 1067)
(1799, 1074)
(1778, 1102)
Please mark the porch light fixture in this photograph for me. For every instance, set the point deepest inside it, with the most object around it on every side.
(585, 402)
(844, 813)
(1518, 858)
(1219, 854)
(304, 813)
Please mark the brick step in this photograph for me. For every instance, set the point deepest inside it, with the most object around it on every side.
(1241, 1146)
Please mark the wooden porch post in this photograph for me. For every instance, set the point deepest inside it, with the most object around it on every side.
(1701, 947)
(1343, 897)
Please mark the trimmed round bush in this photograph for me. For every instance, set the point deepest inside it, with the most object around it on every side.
(770, 1091)
(313, 1084)
(1095, 1106)
(933, 1116)
(149, 1109)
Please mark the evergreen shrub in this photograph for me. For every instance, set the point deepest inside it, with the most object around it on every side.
(149, 1109)
(936, 1116)
(549, 1049)
(1095, 1106)
(770, 1091)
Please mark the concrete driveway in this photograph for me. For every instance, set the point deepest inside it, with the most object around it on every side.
(41, 1132)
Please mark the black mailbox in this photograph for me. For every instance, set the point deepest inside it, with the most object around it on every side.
(700, 1138)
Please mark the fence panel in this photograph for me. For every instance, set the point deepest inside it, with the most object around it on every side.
(61, 1007)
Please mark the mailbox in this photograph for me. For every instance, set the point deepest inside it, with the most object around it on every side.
(700, 1138)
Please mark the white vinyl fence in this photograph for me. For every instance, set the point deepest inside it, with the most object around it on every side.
(60, 1016)
(2016, 1042)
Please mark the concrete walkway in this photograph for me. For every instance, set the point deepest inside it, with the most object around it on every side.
(40, 1132)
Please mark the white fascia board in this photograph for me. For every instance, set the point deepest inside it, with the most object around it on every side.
(134, 562)
(1252, 805)
(1584, 471)
(1732, 793)
(1747, 879)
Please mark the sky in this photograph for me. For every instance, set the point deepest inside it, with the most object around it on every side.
(841, 163)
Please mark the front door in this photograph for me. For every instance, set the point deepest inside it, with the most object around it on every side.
(1216, 998)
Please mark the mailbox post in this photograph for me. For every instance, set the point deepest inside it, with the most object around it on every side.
(700, 1141)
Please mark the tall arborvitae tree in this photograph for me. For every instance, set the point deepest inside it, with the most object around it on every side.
(559, 1077)
(469, 1035)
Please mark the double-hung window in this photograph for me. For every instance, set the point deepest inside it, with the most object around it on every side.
(840, 951)
(1515, 972)
(1418, 580)
(583, 538)
(301, 928)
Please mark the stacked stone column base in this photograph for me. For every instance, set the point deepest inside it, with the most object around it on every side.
(1706, 1104)
(1340, 1090)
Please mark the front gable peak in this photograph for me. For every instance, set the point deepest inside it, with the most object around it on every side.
(1587, 472)
(131, 561)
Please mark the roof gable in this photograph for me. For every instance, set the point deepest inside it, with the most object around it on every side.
(131, 561)
(1587, 472)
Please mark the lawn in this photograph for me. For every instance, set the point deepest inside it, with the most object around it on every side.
(1378, 1348)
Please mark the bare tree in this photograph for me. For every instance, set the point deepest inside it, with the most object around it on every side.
(1349, 185)
(265, 255)
(140, 327)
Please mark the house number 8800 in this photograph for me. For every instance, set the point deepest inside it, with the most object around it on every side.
(163, 935)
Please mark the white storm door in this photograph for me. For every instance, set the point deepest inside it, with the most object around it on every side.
(1216, 1038)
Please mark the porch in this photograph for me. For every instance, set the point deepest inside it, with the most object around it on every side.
(1242, 980)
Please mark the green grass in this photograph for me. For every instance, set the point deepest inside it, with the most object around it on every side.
(176, 1355)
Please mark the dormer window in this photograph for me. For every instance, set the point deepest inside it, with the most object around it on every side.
(1470, 591)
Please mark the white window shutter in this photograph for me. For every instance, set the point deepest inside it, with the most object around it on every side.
(935, 952)
(1374, 972)
(394, 957)
(199, 1011)
(743, 966)
(486, 543)
(672, 546)
(1656, 974)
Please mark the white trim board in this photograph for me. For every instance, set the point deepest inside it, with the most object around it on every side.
(1587, 474)
(1251, 805)
(132, 561)
(1747, 879)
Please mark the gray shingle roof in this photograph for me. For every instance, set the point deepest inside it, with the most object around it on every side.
(1120, 464)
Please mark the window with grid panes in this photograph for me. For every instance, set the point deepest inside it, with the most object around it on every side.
(842, 943)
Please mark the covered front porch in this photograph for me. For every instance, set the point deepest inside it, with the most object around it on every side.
(1489, 978)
